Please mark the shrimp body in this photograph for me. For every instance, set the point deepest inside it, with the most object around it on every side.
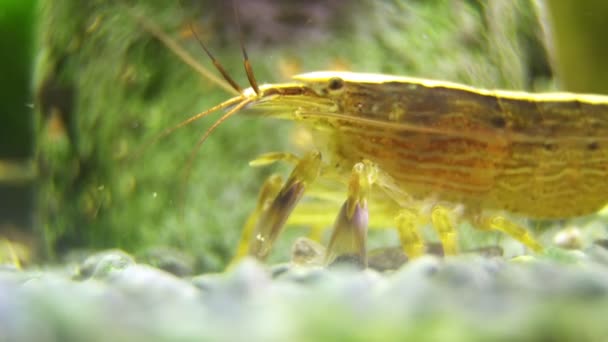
(533, 155)
(403, 152)
(538, 155)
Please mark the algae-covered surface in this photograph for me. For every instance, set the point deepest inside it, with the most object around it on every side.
(105, 86)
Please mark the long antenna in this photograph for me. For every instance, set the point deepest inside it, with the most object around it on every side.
(217, 64)
(204, 137)
(183, 55)
(231, 102)
(248, 68)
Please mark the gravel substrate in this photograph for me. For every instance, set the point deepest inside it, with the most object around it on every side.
(558, 296)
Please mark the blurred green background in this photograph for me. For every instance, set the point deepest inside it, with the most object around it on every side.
(102, 87)
(17, 26)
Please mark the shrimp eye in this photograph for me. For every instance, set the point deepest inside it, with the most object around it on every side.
(335, 83)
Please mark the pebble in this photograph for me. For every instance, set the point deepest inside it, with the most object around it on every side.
(114, 297)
